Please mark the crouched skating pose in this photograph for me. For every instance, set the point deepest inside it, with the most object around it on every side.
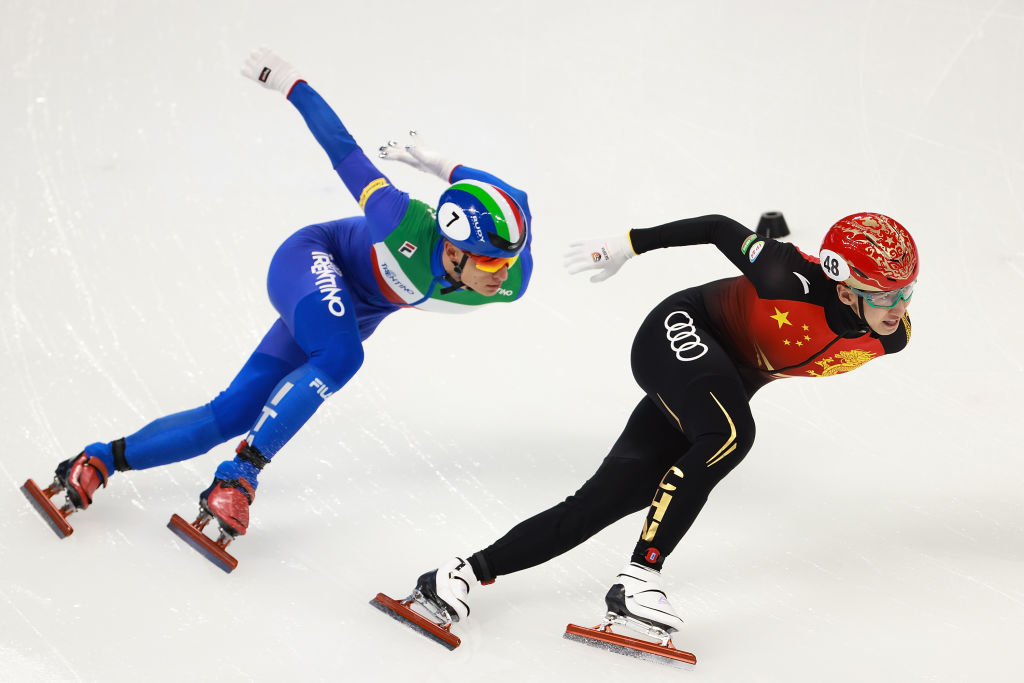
(331, 283)
(700, 356)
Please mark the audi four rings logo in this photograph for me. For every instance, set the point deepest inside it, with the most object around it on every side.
(682, 336)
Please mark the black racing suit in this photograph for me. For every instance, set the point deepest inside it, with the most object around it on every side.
(699, 356)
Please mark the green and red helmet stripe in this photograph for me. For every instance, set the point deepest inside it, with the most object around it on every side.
(505, 213)
(516, 212)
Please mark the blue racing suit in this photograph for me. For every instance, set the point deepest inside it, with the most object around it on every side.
(331, 284)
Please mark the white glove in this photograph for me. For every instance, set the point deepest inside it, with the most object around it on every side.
(418, 156)
(605, 255)
(270, 71)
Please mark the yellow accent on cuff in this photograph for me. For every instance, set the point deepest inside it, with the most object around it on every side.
(629, 238)
(369, 190)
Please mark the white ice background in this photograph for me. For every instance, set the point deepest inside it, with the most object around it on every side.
(875, 530)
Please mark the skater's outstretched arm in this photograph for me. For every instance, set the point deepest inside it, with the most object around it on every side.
(769, 264)
(383, 204)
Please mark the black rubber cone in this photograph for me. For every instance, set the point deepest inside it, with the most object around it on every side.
(772, 225)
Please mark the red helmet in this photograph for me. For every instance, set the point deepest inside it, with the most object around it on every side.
(869, 251)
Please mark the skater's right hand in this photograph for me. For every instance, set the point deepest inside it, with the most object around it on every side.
(605, 255)
(420, 157)
(269, 70)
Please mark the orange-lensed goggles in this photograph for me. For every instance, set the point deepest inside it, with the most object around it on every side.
(492, 264)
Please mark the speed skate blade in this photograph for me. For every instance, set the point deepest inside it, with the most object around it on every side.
(49, 512)
(202, 543)
(631, 647)
(401, 611)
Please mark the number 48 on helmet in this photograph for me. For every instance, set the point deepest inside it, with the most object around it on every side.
(870, 252)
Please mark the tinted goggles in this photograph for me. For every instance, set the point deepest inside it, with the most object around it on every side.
(887, 299)
(492, 264)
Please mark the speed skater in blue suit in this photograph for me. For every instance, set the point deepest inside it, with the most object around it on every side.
(331, 285)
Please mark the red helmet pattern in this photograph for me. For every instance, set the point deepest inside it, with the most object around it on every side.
(869, 251)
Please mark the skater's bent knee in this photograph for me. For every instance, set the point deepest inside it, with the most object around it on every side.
(338, 364)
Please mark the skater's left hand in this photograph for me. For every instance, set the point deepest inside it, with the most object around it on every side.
(417, 155)
(605, 255)
(269, 70)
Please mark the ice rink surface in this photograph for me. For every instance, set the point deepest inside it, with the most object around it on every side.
(876, 530)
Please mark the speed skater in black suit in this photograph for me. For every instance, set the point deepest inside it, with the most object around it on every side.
(700, 356)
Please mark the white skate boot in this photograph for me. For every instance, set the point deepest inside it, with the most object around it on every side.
(637, 594)
(442, 593)
(445, 591)
(637, 603)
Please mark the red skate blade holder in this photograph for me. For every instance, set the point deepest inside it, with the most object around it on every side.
(54, 516)
(401, 611)
(603, 637)
(206, 546)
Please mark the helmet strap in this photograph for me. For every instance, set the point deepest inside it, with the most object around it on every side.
(863, 320)
(859, 310)
(456, 282)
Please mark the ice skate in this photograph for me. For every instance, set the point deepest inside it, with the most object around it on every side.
(636, 603)
(442, 596)
(78, 478)
(228, 502)
(637, 596)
